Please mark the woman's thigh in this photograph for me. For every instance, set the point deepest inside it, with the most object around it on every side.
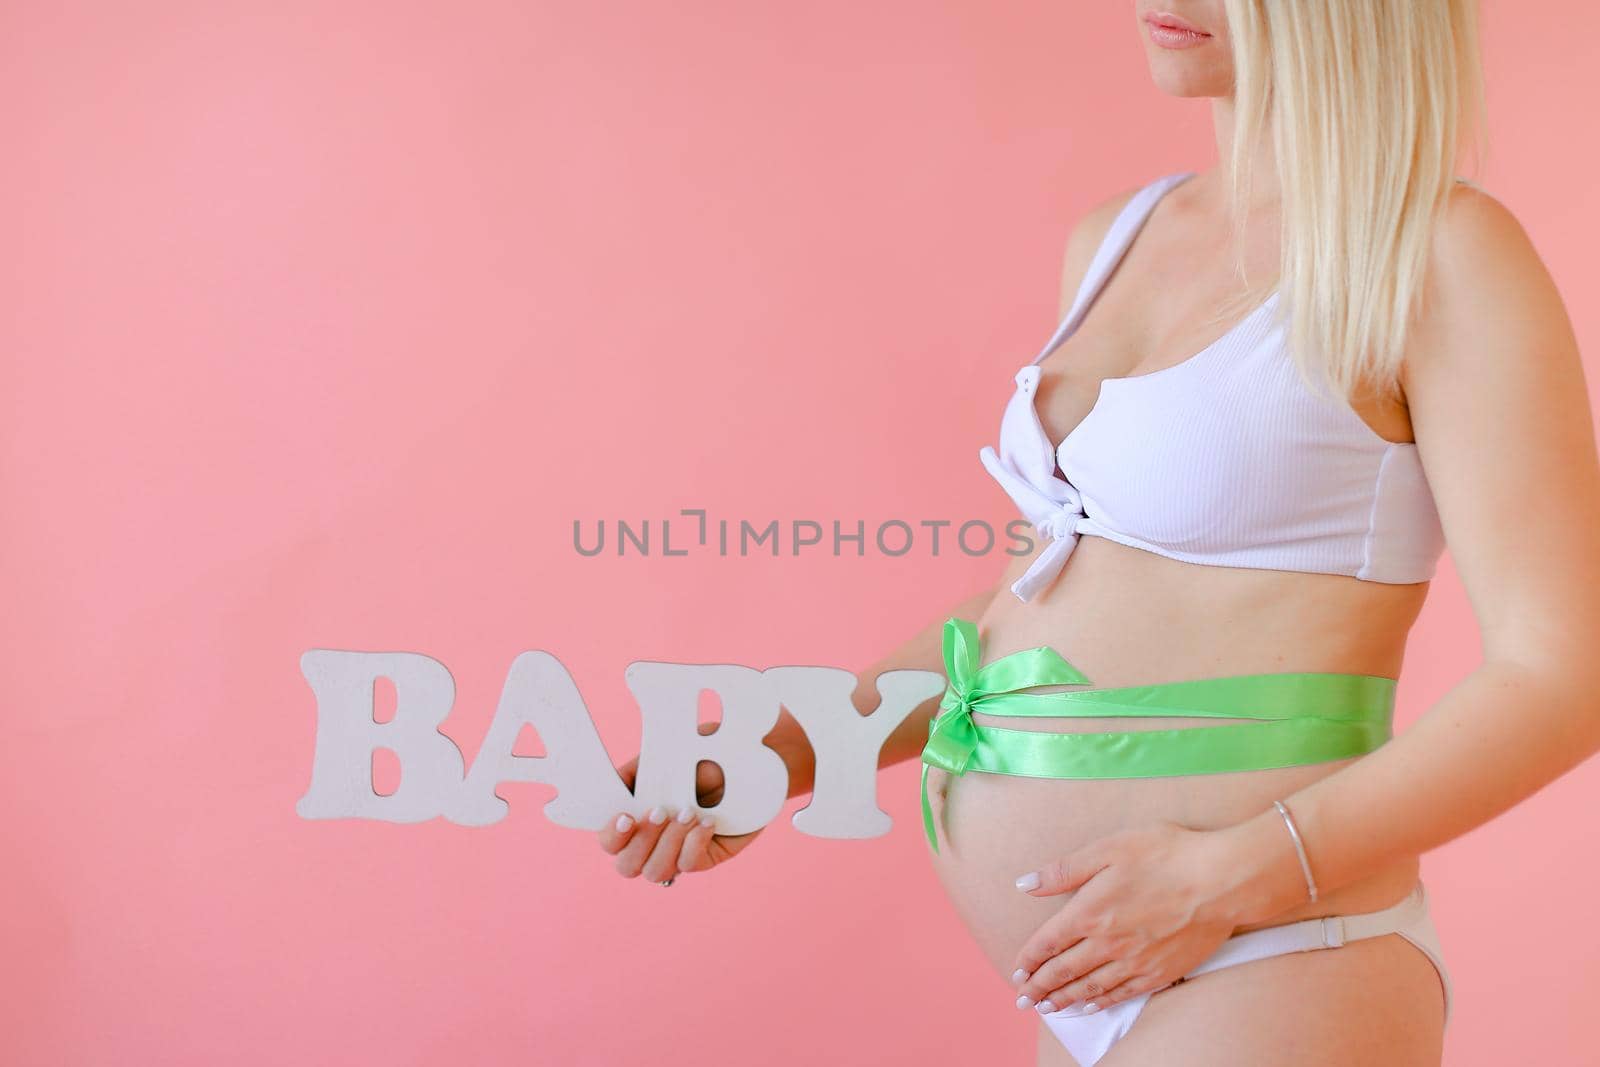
(1051, 1052)
(1376, 1002)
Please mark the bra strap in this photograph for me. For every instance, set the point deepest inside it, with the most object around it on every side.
(1112, 248)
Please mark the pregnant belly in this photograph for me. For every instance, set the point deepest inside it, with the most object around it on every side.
(993, 828)
(1126, 617)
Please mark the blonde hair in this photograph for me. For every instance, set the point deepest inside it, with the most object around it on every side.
(1368, 104)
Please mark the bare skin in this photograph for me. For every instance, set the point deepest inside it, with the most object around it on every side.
(1111, 606)
(1495, 397)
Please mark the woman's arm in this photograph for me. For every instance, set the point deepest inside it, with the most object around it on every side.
(924, 652)
(1502, 419)
(660, 851)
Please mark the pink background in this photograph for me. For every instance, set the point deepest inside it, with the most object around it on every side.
(322, 324)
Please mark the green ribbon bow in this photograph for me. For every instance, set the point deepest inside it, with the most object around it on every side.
(952, 736)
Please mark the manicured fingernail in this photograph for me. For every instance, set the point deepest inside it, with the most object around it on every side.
(1018, 975)
(708, 821)
(686, 816)
(1028, 881)
(658, 814)
(623, 822)
(1024, 1000)
(1045, 1006)
(1090, 1008)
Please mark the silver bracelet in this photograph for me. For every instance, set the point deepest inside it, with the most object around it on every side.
(1299, 847)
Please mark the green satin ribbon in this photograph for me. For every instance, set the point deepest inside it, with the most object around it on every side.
(1304, 717)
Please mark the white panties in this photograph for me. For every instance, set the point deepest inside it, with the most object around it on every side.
(1089, 1036)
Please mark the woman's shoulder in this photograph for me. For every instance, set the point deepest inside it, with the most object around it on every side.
(1483, 255)
(1084, 238)
(1475, 221)
(1487, 295)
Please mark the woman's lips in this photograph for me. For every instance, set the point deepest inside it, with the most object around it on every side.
(1169, 31)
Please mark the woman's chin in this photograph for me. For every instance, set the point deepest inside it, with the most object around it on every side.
(1183, 80)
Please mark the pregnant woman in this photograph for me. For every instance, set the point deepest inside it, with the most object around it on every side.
(1162, 787)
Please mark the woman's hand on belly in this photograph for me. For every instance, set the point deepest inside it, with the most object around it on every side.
(1150, 904)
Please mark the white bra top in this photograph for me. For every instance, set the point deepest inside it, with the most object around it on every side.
(1226, 458)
